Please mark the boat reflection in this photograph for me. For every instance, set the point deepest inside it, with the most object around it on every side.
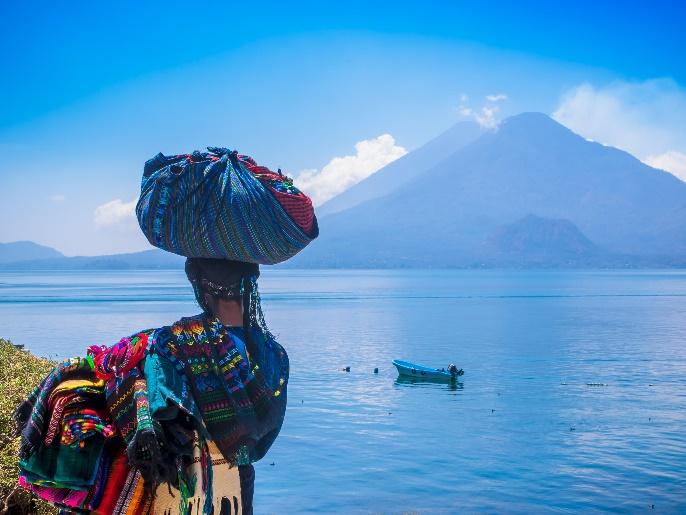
(428, 383)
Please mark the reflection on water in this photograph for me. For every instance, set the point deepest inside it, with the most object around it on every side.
(429, 382)
(522, 432)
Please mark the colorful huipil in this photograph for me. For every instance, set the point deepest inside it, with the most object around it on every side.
(160, 409)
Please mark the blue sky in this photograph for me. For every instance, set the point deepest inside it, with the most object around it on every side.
(92, 89)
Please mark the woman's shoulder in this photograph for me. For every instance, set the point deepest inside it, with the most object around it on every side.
(167, 332)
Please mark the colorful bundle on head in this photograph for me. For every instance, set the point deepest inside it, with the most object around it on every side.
(219, 204)
(295, 202)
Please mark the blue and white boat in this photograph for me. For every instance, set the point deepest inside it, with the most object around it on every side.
(407, 369)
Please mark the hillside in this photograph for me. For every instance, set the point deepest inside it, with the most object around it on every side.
(20, 372)
(533, 241)
(26, 250)
(528, 193)
(529, 165)
(147, 259)
(405, 169)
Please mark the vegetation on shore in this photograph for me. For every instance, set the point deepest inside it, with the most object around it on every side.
(20, 372)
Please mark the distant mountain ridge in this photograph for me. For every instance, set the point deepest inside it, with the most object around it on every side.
(147, 259)
(530, 193)
(537, 241)
(25, 250)
(528, 165)
(403, 170)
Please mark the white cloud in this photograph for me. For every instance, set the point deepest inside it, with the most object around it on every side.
(58, 197)
(646, 119)
(343, 172)
(496, 98)
(487, 115)
(674, 162)
(114, 212)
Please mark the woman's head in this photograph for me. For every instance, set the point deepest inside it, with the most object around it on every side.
(217, 280)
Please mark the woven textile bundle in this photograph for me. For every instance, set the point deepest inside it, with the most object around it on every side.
(219, 204)
(154, 412)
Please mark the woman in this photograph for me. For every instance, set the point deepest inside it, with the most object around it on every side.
(227, 293)
(171, 419)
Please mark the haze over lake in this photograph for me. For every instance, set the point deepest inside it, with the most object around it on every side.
(573, 395)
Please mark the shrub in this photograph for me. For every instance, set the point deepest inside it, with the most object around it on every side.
(20, 372)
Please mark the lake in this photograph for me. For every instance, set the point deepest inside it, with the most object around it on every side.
(573, 398)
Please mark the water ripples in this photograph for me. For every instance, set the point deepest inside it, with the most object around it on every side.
(573, 398)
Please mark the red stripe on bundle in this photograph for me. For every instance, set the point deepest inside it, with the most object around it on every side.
(114, 484)
(298, 206)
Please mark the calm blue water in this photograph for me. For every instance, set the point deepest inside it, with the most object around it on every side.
(525, 432)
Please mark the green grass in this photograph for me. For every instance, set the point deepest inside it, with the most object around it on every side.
(20, 372)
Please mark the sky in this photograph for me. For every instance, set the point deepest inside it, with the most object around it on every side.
(329, 92)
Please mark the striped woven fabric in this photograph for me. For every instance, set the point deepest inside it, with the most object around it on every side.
(112, 470)
(220, 204)
(241, 408)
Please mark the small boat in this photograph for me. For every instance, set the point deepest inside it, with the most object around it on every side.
(407, 369)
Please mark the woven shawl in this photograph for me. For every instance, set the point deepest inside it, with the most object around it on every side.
(65, 436)
(126, 393)
(157, 389)
(241, 407)
(32, 417)
(109, 473)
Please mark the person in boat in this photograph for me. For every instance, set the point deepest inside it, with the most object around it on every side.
(168, 420)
